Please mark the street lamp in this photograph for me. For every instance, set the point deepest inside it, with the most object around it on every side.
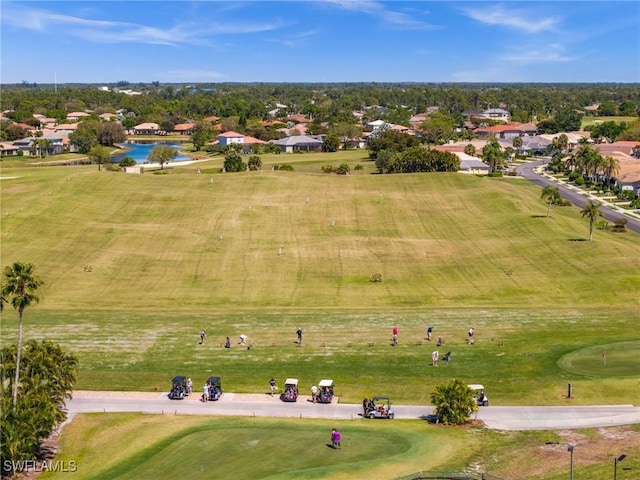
(616, 461)
(570, 450)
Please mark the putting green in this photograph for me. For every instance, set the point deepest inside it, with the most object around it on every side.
(620, 359)
(129, 446)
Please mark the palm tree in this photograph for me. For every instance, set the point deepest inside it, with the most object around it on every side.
(517, 143)
(454, 402)
(552, 195)
(20, 288)
(611, 167)
(591, 212)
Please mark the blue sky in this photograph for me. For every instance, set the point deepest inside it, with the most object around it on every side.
(319, 41)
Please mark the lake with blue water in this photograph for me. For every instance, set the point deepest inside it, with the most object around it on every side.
(139, 151)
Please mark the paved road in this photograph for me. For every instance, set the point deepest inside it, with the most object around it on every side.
(499, 418)
(574, 195)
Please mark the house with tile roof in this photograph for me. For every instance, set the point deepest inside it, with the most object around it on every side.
(77, 116)
(184, 128)
(148, 128)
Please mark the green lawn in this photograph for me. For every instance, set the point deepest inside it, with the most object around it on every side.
(132, 446)
(136, 265)
(591, 120)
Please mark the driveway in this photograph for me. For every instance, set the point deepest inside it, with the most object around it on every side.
(532, 171)
(263, 405)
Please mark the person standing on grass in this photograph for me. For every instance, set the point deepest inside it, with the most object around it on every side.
(299, 334)
(335, 438)
(429, 332)
(203, 335)
(395, 336)
(434, 358)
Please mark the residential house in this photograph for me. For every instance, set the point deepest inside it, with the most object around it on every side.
(77, 116)
(8, 149)
(147, 129)
(299, 143)
(184, 128)
(45, 122)
(107, 117)
(227, 138)
(377, 125)
(66, 127)
(497, 114)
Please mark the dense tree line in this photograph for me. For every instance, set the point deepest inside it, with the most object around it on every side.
(331, 103)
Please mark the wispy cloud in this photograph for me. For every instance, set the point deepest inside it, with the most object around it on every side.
(530, 21)
(379, 10)
(104, 31)
(295, 40)
(552, 53)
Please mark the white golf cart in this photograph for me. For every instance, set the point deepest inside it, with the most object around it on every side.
(290, 393)
(478, 395)
(325, 392)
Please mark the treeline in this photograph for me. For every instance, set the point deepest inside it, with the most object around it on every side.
(331, 103)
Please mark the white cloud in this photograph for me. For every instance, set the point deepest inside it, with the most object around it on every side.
(101, 31)
(550, 53)
(378, 9)
(295, 40)
(530, 21)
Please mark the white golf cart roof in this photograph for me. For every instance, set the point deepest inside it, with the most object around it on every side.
(326, 383)
(475, 386)
(291, 381)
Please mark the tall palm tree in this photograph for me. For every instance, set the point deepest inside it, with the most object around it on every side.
(591, 212)
(611, 167)
(20, 287)
(551, 194)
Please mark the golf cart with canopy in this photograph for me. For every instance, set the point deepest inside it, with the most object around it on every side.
(178, 388)
(378, 407)
(290, 393)
(215, 388)
(478, 395)
(325, 393)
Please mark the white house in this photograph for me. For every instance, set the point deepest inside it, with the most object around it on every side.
(227, 138)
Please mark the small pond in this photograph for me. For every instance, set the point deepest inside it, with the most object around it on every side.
(139, 151)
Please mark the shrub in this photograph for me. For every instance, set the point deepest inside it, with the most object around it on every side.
(358, 167)
(620, 225)
(127, 162)
(573, 176)
(635, 203)
(376, 277)
(327, 169)
(343, 169)
(286, 167)
(579, 181)
(254, 162)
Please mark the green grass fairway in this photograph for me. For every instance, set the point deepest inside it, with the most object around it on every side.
(591, 120)
(611, 360)
(112, 447)
(136, 265)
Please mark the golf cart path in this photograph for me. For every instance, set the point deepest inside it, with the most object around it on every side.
(264, 405)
